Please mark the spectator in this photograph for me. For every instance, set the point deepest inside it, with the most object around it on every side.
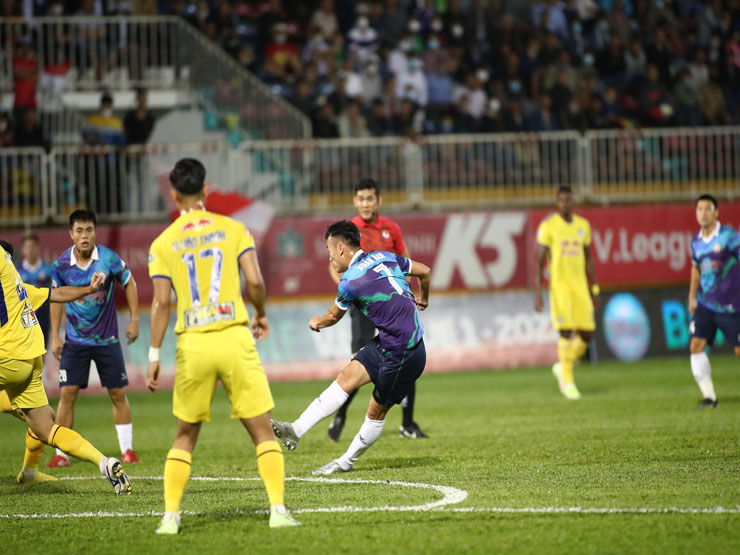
(464, 122)
(550, 15)
(659, 54)
(392, 23)
(409, 119)
(304, 98)
(138, 123)
(378, 123)
(104, 127)
(698, 69)
(371, 81)
(610, 62)
(398, 59)
(635, 59)
(654, 106)
(712, 102)
(351, 123)
(412, 83)
(324, 125)
(514, 120)
(543, 119)
(281, 57)
(324, 19)
(685, 100)
(25, 76)
(440, 86)
(492, 122)
(561, 94)
(28, 131)
(362, 40)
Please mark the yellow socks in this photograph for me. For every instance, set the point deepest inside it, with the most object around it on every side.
(271, 466)
(74, 444)
(565, 356)
(34, 450)
(176, 476)
(579, 348)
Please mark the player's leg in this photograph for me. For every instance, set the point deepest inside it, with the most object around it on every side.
(34, 448)
(703, 329)
(112, 372)
(356, 374)
(363, 331)
(251, 400)
(29, 397)
(409, 428)
(74, 371)
(195, 382)
(393, 379)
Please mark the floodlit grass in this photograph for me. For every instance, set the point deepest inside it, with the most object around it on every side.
(508, 439)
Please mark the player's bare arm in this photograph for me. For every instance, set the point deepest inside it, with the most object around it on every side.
(160, 317)
(330, 317)
(67, 293)
(591, 275)
(694, 288)
(424, 275)
(257, 293)
(132, 299)
(542, 254)
(55, 314)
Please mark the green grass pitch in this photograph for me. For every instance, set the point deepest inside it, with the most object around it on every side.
(507, 439)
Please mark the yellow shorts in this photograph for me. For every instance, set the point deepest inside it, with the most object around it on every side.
(21, 379)
(572, 310)
(228, 355)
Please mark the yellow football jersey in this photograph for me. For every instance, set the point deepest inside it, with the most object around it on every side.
(199, 253)
(566, 241)
(21, 337)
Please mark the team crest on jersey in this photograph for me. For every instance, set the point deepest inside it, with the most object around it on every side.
(716, 248)
(197, 226)
(580, 232)
(385, 234)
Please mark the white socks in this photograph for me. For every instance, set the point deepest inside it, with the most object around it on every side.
(102, 465)
(62, 454)
(369, 433)
(702, 371)
(324, 405)
(125, 436)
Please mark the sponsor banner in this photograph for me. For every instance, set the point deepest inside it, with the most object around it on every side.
(462, 332)
(646, 244)
(467, 250)
(632, 325)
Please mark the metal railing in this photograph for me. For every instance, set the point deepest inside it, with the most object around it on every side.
(161, 52)
(454, 171)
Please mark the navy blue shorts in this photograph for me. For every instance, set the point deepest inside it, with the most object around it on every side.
(74, 368)
(393, 373)
(705, 322)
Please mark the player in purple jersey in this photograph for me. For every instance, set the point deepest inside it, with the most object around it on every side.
(375, 283)
(92, 330)
(714, 294)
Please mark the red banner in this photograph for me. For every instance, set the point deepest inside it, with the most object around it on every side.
(467, 250)
(471, 250)
(648, 244)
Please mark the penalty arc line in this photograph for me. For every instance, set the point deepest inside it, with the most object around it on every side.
(451, 496)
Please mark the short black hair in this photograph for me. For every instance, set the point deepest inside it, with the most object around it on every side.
(707, 196)
(106, 98)
(82, 215)
(8, 247)
(367, 183)
(188, 176)
(346, 231)
(30, 236)
(565, 189)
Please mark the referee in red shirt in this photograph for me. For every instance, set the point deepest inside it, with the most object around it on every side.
(378, 234)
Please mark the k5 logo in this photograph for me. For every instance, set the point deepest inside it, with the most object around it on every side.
(463, 234)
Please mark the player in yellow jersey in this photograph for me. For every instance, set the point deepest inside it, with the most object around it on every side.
(199, 256)
(21, 350)
(564, 240)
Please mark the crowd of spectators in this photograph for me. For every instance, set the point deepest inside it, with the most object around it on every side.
(388, 67)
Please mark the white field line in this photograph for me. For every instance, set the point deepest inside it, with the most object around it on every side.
(450, 495)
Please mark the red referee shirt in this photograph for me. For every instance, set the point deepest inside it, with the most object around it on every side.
(383, 235)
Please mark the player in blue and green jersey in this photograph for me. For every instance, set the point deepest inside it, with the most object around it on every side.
(37, 272)
(714, 294)
(375, 283)
(92, 330)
